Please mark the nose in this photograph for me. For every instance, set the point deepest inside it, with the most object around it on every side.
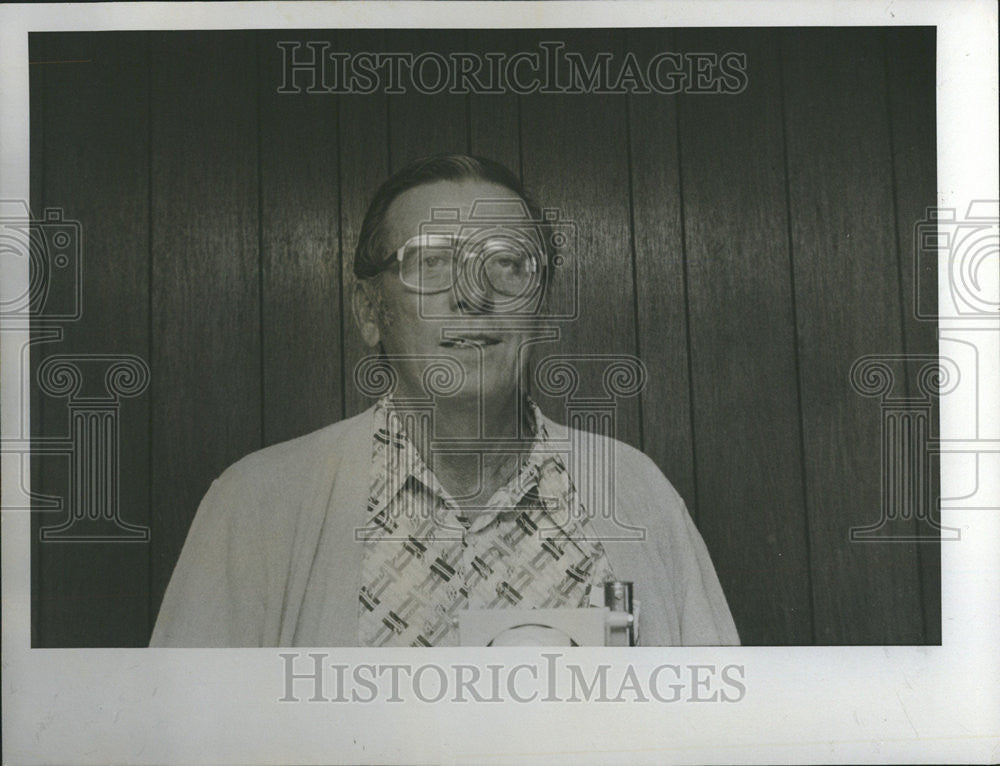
(473, 306)
(473, 298)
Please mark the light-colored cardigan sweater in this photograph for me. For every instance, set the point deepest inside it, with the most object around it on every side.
(271, 558)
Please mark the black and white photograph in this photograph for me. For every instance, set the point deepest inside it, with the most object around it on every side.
(379, 377)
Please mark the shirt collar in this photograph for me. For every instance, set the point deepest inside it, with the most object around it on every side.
(397, 461)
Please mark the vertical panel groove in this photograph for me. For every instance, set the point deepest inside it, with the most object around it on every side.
(153, 537)
(839, 180)
(302, 312)
(468, 105)
(346, 303)
(795, 331)
(36, 192)
(632, 257)
(693, 506)
(88, 158)
(656, 230)
(907, 382)
(742, 380)
(908, 73)
(907, 134)
(206, 300)
(262, 318)
(388, 134)
(520, 138)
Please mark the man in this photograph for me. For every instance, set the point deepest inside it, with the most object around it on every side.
(454, 492)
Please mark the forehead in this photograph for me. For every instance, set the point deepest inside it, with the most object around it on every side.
(415, 206)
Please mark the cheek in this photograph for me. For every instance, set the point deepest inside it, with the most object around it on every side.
(388, 312)
(521, 351)
(402, 328)
(394, 310)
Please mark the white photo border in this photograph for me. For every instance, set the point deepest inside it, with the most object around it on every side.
(802, 704)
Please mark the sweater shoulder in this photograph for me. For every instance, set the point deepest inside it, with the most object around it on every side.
(284, 462)
(637, 477)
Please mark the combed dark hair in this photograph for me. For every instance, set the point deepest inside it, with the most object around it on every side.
(370, 256)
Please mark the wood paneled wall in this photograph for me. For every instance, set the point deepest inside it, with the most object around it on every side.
(749, 248)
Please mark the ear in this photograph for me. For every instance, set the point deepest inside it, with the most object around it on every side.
(365, 305)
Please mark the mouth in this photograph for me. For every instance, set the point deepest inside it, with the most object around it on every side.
(470, 341)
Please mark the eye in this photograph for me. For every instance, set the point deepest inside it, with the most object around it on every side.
(432, 261)
(506, 261)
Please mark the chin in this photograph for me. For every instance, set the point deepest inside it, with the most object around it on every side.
(494, 390)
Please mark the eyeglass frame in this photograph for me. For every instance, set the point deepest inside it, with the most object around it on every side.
(539, 263)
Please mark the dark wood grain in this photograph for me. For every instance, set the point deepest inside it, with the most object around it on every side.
(910, 59)
(95, 169)
(206, 292)
(423, 123)
(37, 51)
(494, 129)
(661, 302)
(751, 507)
(301, 316)
(364, 165)
(749, 258)
(847, 297)
(575, 153)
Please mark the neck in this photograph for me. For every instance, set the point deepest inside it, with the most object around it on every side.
(486, 418)
(470, 474)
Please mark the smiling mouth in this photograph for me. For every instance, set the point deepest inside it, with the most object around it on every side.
(470, 341)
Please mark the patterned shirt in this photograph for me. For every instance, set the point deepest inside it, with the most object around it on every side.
(426, 559)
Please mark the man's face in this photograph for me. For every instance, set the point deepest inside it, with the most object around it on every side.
(448, 323)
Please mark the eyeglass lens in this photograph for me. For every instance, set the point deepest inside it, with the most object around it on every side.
(503, 264)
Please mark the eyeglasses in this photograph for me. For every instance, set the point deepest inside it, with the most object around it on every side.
(504, 262)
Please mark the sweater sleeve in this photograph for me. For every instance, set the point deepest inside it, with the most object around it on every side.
(677, 575)
(704, 614)
(215, 597)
